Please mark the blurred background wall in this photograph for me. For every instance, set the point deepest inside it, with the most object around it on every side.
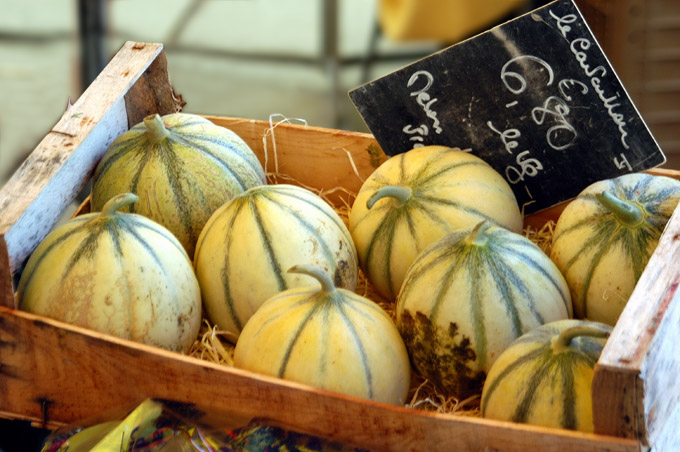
(297, 58)
(246, 58)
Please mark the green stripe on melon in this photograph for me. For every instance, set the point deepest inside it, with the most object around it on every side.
(248, 244)
(468, 296)
(117, 273)
(182, 167)
(327, 337)
(545, 377)
(417, 197)
(325, 313)
(605, 237)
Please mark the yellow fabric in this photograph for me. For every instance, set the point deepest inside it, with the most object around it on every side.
(441, 20)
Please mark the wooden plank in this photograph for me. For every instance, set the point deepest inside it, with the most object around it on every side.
(94, 373)
(312, 156)
(50, 178)
(341, 158)
(615, 402)
(642, 351)
(53, 174)
(659, 375)
(6, 287)
(152, 93)
(668, 438)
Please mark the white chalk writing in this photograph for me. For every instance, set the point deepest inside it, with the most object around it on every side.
(508, 137)
(417, 134)
(566, 84)
(508, 76)
(423, 99)
(563, 22)
(623, 163)
(527, 167)
(579, 48)
(562, 134)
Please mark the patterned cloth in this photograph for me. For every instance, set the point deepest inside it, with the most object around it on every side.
(164, 426)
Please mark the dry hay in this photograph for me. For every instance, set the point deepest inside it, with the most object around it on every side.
(214, 345)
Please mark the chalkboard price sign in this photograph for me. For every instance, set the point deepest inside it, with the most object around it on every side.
(535, 97)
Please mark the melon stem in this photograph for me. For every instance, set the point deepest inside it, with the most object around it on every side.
(401, 194)
(562, 342)
(315, 272)
(117, 202)
(627, 212)
(477, 235)
(156, 127)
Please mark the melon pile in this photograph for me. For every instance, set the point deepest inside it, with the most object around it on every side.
(185, 227)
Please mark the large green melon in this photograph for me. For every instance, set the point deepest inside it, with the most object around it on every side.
(182, 167)
(116, 273)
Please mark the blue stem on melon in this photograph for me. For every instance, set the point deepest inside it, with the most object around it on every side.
(477, 235)
(562, 342)
(401, 194)
(627, 212)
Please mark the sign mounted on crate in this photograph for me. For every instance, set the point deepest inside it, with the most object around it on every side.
(535, 97)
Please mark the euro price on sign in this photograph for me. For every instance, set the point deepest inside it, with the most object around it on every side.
(536, 98)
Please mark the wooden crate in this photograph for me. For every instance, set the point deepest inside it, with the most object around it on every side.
(53, 373)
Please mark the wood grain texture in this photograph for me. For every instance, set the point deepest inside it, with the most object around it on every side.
(659, 375)
(6, 286)
(311, 156)
(58, 168)
(152, 93)
(94, 373)
(615, 403)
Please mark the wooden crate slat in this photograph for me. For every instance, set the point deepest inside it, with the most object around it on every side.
(353, 155)
(49, 179)
(92, 374)
(152, 93)
(659, 373)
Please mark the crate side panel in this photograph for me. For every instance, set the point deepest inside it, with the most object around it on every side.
(616, 403)
(334, 161)
(152, 93)
(52, 372)
(660, 371)
(48, 180)
(668, 438)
